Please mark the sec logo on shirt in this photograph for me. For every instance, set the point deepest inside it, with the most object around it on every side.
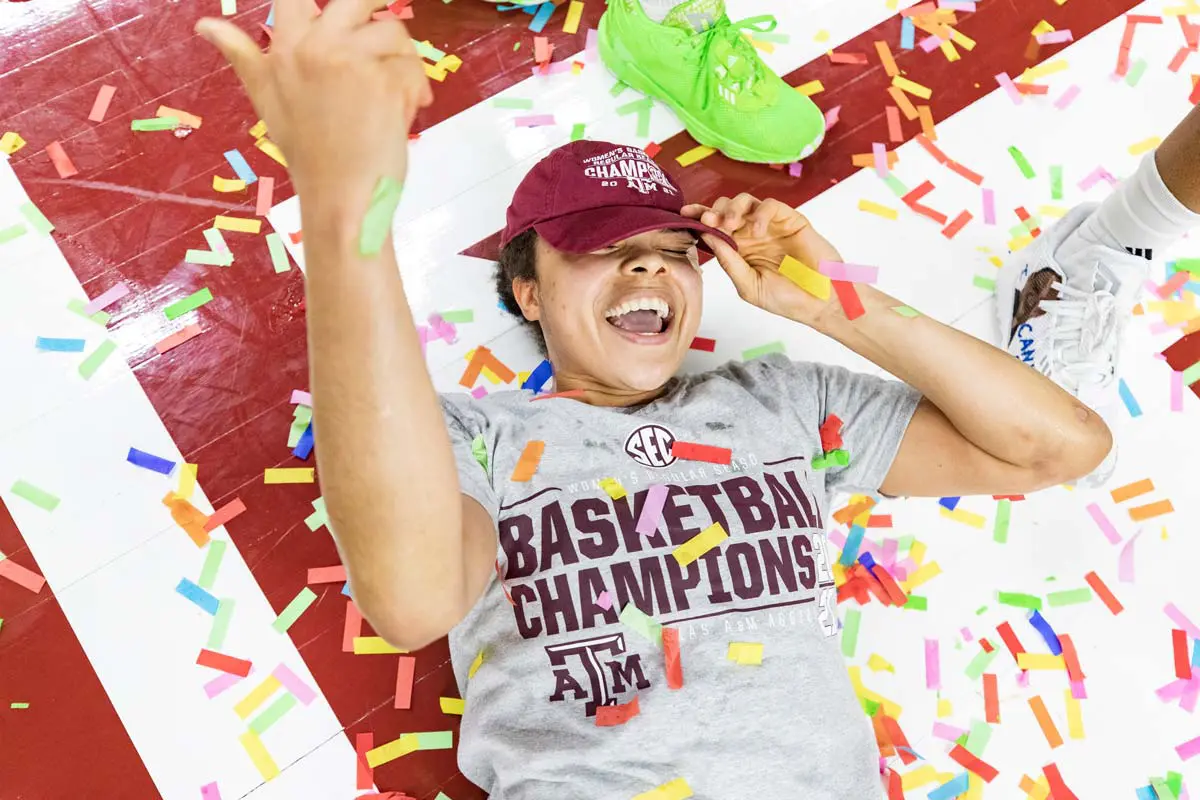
(650, 446)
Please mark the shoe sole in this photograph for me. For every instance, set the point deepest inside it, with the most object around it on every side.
(702, 134)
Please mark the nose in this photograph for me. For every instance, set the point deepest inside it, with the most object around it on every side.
(645, 262)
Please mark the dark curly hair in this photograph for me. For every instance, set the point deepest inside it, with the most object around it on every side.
(518, 260)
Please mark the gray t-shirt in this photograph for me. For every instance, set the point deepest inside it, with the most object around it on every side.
(790, 727)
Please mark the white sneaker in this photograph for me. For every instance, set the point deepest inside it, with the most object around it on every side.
(1063, 304)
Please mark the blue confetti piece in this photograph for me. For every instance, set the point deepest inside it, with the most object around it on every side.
(544, 12)
(1128, 399)
(304, 445)
(537, 379)
(149, 461)
(953, 787)
(949, 503)
(867, 560)
(1146, 793)
(271, 17)
(198, 596)
(853, 542)
(346, 590)
(1043, 627)
(61, 345)
(908, 34)
(238, 162)
(1196, 652)
(1191, 286)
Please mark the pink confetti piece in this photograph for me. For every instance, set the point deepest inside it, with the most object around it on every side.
(947, 732)
(1176, 391)
(100, 107)
(299, 689)
(854, 273)
(933, 669)
(1125, 560)
(1181, 620)
(989, 207)
(1189, 749)
(592, 49)
(301, 398)
(966, 634)
(604, 600)
(957, 5)
(534, 121)
(222, 683)
(209, 791)
(880, 152)
(1010, 88)
(266, 196)
(444, 330)
(107, 299)
(1023, 679)
(890, 546)
(1095, 176)
(1173, 690)
(795, 169)
(930, 43)
(1055, 37)
(656, 498)
(479, 392)
(1102, 522)
(837, 538)
(831, 117)
(1190, 694)
(1067, 98)
(1078, 690)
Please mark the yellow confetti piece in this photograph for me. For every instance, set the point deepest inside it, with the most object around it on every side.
(877, 663)
(475, 665)
(810, 88)
(839, 573)
(694, 155)
(228, 184)
(11, 142)
(766, 47)
(185, 119)
(259, 129)
(1020, 243)
(806, 278)
(237, 224)
(921, 776)
(1042, 27)
(1144, 146)
(187, 481)
(1040, 661)
(289, 475)
(917, 553)
(1052, 211)
(745, 653)
(974, 787)
(272, 150)
(1181, 11)
(890, 708)
(878, 210)
(923, 574)
(949, 51)
(394, 749)
(257, 696)
(452, 705)
(613, 488)
(964, 516)
(700, 544)
(677, 789)
(574, 15)
(1042, 70)
(261, 759)
(374, 646)
(449, 62)
(962, 40)
(821, 36)
(434, 73)
(1074, 716)
(912, 87)
(1039, 789)
(944, 708)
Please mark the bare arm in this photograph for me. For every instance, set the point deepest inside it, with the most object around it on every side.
(1178, 160)
(339, 93)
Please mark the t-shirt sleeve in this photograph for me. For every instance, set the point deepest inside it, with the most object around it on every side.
(470, 439)
(875, 413)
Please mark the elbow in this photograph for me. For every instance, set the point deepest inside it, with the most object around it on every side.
(397, 620)
(1078, 453)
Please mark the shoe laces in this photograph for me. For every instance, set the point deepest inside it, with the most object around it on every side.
(730, 59)
(1081, 345)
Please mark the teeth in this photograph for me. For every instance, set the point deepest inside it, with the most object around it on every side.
(656, 304)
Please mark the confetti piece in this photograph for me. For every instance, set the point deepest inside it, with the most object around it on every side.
(964, 516)
(933, 672)
(228, 185)
(1043, 627)
(1105, 594)
(11, 142)
(634, 618)
(762, 350)
(224, 514)
(258, 755)
(224, 663)
(279, 256)
(148, 461)
(475, 665)
(745, 653)
(1022, 162)
(294, 609)
(210, 791)
(959, 222)
(517, 103)
(677, 789)
(197, 595)
(405, 669)
(60, 159)
(93, 362)
(1068, 597)
(100, 105)
(289, 475)
(877, 209)
(850, 628)
(272, 713)
(189, 303)
(912, 87)
(383, 754)
(374, 646)
(1189, 749)
(700, 544)
(810, 88)
(694, 155)
(806, 278)
(534, 121)
(212, 563)
(951, 788)
(25, 578)
(59, 345)
(1058, 789)
(1038, 706)
(973, 763)
(1151, 510)
(528, 463)
(39, 497)
(906, 311)
(991, 699)
(12, 232)
(652, 507)
(154, 124)
(1019, 600)
(691, 451)
(610, 716)
(1131, 490)
(1102, 522)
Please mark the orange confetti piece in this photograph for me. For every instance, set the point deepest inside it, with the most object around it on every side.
(1106, 595)
(1131, 490)
(885, 57)
(178, 338)
(1150, 511)
(895, 131)
(1053, 737)
(527, 464)
(926, 117)
(991, 699)
(951, 230)
(185, 119)
(906, 107)
(352, 628)
(100, 106)
(60, 159)
(188, 517)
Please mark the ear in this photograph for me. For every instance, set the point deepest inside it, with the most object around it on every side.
(526, 293)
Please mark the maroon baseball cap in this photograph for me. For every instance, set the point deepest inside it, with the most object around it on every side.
(586, 195)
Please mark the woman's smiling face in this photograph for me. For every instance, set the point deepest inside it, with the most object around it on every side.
(617, 321)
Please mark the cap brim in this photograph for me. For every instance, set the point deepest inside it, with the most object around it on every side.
(597, 228)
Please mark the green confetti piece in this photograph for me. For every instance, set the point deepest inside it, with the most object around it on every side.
(895, 184)
(633, 617)
(429, 51)
(435, 740)
(980, 663)
(12, 232)
(208, 258)
(520, 103)
(870, 706)
(978, 737)
(319, 516)
(1162, 789)
(839, 458)
(516, 47)
(212, 562)
(1175, 781)
(155, 124)
(762, 350)
(1192, 265)
(905, 543)
(820, 462)
(1000, 529)
(77, 306)
(981, 611)
(983, 282)
(643, 128)
(917, 602)
(377, 223)
(39, 497)
(1134, 75)
(479, 451)
(850, 632)
(617, 88)
(442, 796)
(89, 365)
(189, 303)
(637, 106)
(220, 625)
(294, 609)
(1056, 182)
(1019, 600)
(906, 311)
(19, 705)
(273, 713)
(36, 219)
(279, 256)
(460, 316)
(1022, 162)
(1191, 374)
(1069, 597)
(577, 131)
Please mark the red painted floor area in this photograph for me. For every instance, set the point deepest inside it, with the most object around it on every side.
(140, 200)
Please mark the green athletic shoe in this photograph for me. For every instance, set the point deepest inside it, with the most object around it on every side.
(700, 64)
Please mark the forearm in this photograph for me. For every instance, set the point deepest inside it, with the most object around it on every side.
(997, 403)
(1178, 161)
(387, 469)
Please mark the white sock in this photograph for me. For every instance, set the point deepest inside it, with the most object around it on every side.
(657, 10)
(1141, 217)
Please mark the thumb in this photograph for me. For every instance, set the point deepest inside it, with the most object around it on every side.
(239, 50)
(741, 273)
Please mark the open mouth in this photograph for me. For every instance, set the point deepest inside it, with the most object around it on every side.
(643, 317)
